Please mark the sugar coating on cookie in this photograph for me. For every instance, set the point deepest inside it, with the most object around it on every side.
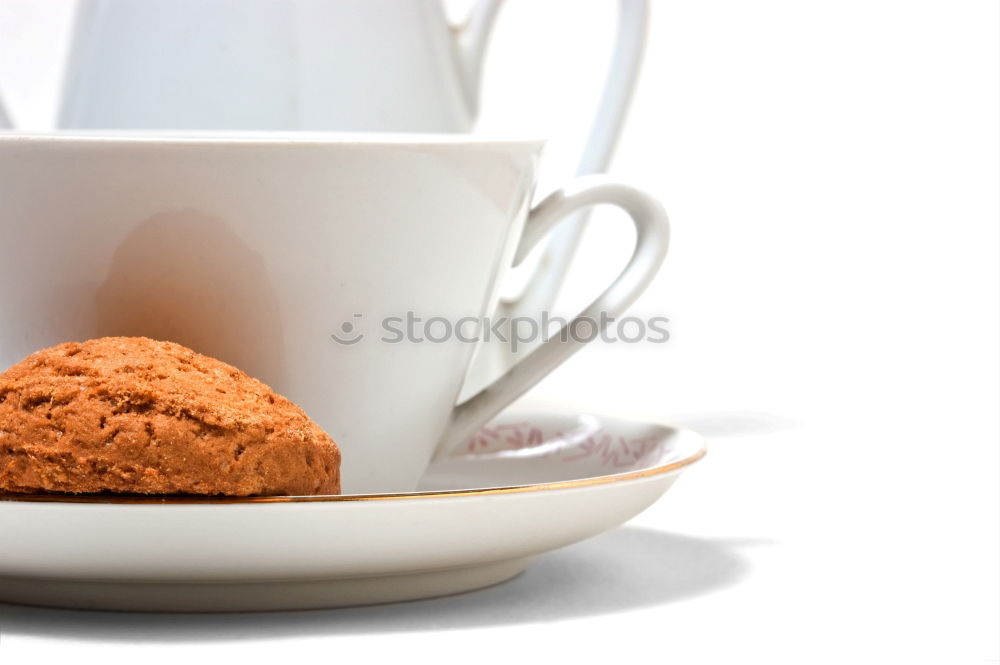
(134, 415)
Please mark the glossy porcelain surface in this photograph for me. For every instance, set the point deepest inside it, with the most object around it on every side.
(325, 65)
(344, 65)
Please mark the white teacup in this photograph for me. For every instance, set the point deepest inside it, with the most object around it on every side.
(281, 256)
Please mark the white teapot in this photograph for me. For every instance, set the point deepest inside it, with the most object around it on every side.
(314, 65)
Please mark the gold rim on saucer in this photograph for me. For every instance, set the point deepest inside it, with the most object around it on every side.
(514, 489)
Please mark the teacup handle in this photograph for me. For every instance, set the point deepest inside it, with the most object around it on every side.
(652, 239)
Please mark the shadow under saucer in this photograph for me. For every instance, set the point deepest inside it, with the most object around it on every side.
(628, 568)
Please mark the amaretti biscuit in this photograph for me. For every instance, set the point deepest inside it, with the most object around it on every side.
(134, 415)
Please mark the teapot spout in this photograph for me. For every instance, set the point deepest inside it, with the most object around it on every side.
(471, 39)
(4, 118)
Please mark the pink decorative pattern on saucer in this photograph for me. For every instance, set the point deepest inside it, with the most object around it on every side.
(598, 445)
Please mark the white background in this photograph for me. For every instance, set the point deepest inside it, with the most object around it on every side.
(831, 170)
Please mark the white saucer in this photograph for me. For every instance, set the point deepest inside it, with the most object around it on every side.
(542, 482)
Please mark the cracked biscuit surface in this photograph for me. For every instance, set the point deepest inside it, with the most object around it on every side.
(133, 415)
